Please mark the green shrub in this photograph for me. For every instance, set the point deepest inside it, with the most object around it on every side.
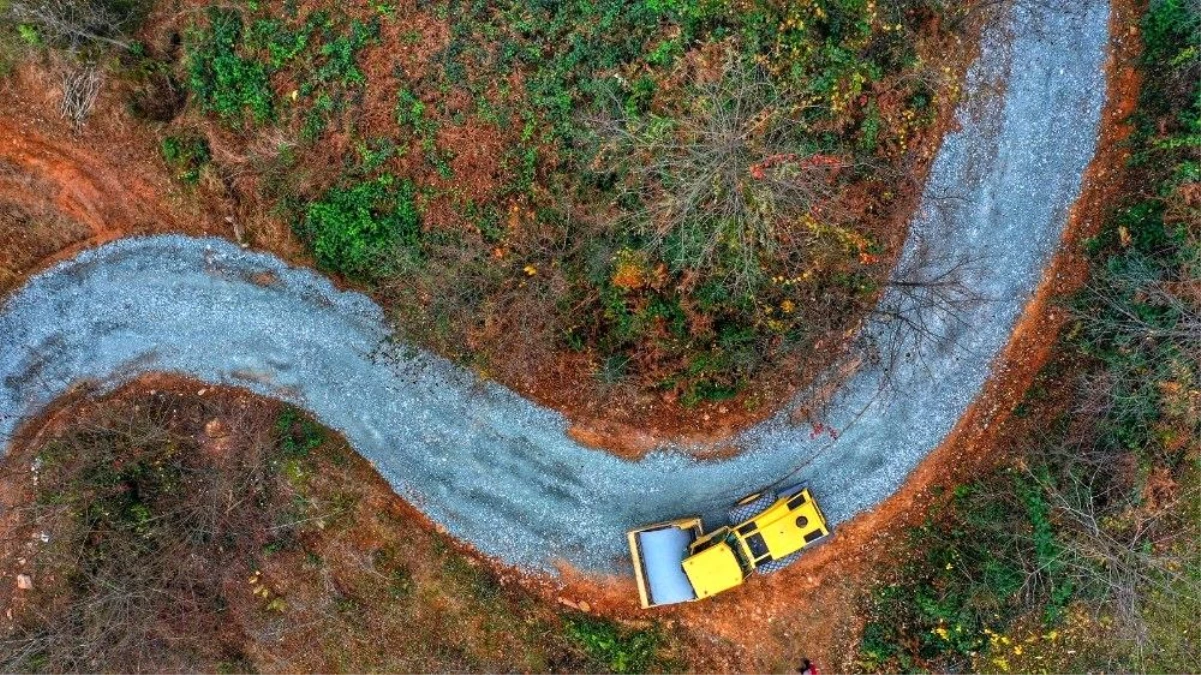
(186, 155)
(358, 230)
(230, 66)
(223, 80)
(960, 584)
(29, 35)
(297, 434)
(614, 648)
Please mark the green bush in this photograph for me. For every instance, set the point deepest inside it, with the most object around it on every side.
(359, 230)
(967, 563)
(224, 81)
(614, 648)
(297, 434)
(230, 66)
(186, 155)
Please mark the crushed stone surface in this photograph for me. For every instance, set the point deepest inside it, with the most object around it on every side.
(500, 472)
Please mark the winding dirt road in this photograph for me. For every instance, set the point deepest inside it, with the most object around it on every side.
(502, 473)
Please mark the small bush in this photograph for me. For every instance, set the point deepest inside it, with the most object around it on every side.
(225, 82)
(187, 155)
(359, 230)
(614, 648)
(297, 434)
(231, 66)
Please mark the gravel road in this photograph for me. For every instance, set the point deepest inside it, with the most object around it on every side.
(499, 471)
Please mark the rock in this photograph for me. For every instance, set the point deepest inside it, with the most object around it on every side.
(24, 582)
(582, 605)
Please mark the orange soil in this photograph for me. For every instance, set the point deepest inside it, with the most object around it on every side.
(102, 176)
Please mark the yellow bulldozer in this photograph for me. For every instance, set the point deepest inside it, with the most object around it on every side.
(676, 561)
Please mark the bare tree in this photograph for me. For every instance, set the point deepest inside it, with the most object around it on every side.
(1115, 542)
(926, 304)
(728, 179)
(138, 590)
(1179, 299)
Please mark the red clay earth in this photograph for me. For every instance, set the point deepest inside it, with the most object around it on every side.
(100, 182)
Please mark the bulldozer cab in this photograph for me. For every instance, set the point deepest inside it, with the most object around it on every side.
(717, 563)
(790, 524)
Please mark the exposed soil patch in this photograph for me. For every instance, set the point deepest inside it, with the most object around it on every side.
(66, 189)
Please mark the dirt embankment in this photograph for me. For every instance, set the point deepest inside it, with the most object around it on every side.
(65, 188)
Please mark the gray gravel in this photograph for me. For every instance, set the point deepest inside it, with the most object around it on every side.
(499, 471)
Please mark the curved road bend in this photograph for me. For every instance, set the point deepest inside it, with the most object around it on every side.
(499, 471)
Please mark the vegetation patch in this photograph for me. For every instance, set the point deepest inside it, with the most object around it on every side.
(725, 157)
(364, 230)
(616, 649)
(186, 155)
(239, 67)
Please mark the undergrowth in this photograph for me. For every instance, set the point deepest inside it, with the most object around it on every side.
(229, 534)
(187, 155)
(235, 60)
(599, 106)
(362, 231)
(616, 649)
